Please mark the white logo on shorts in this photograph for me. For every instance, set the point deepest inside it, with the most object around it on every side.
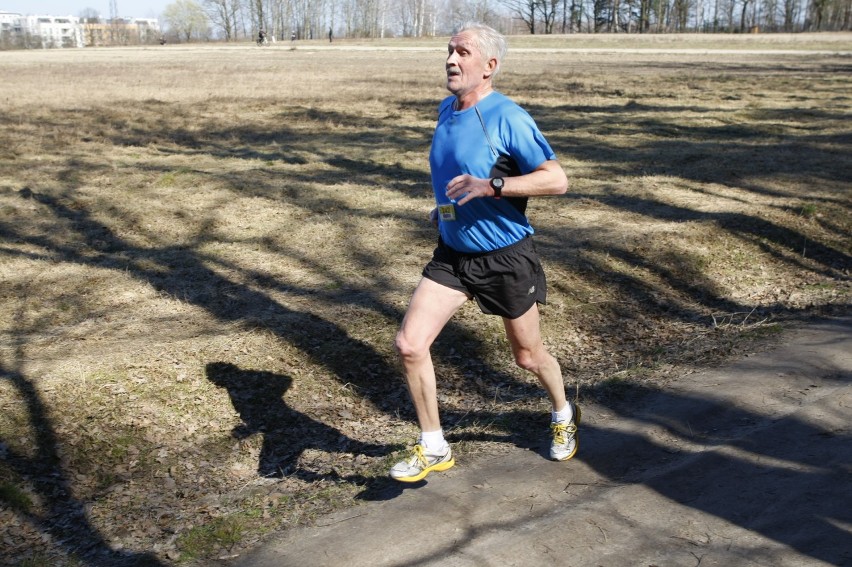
(531, 291)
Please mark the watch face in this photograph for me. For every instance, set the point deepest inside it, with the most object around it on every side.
(497, 183)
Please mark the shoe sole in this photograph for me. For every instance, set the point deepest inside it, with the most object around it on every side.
(438, 467)
(576, 435)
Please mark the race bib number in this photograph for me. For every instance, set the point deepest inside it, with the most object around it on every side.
(447, 212)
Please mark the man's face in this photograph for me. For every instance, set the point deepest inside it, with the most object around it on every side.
(467, 69)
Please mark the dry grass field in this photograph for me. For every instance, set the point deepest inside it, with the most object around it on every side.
(206, 252)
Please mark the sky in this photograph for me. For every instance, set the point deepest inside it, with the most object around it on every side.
(126, 8)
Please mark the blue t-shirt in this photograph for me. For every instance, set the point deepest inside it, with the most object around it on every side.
(495, 138)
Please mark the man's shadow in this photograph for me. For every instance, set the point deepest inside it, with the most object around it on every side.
(258, 397)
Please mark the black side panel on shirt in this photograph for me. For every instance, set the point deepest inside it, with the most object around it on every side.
(506, 167)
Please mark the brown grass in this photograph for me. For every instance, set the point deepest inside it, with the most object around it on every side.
(206, 253)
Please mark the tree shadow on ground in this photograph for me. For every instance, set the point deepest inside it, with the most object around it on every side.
(258, 398)
(768, 235)
(184, 273)
(748, 469)
(734, 155)
(58, 515)
(744, 472)
(346, 150)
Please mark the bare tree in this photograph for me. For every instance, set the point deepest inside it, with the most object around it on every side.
(418, 17)
(365, 18)
(258, 16)
(223, 15)
(548, 10)
(187, 19)
(615, 16)
(644, 23)
(743, 15)
(372, 18)
(449, 14)
(789, 14)
(90, 20)
(524, 10)
(680, 15)
(824, 15)
(572, 16)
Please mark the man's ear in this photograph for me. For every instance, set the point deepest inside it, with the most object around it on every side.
(490, 66)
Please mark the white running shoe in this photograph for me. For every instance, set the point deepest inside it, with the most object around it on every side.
(565, 438)
(421, 463)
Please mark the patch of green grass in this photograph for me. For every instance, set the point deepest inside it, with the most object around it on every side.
(203, 541)
(809, 210)
(15, 498)
(762, 331)
(824, 286)
(171, 178)
(45, 560)
(614, 388)
(121, 444)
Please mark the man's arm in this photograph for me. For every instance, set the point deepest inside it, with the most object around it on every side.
(547, 179)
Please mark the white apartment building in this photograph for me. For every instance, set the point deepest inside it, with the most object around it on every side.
(10, 28)
(19, 31)
(10, 22)
(55, 31)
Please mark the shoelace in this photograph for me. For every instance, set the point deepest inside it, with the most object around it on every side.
(561, 431)
(418, 456)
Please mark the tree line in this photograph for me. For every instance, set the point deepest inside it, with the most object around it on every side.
(677, 16)
(237, 20)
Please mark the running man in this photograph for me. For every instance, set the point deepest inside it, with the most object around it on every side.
(487, 158)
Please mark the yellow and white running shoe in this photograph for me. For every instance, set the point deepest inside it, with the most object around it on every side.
(565, 438)
(421, 463)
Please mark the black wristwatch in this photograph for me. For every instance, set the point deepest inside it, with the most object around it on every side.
(497, 184)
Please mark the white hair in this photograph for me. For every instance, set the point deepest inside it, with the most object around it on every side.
(491, 43)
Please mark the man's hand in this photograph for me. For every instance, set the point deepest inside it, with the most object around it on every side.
(433, 217)
(465, 187)
(547, 179)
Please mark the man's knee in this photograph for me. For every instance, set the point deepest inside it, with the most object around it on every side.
(525, 359)
(532, 359)
(406, 349)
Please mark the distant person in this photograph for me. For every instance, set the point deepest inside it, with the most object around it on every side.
(293, 36)
(487, 158)
(261, 37)
(330, 35)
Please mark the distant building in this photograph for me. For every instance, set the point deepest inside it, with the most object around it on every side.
(11, 31)
(133, 31)
(54, 31)
(19, 31)
(9, 19)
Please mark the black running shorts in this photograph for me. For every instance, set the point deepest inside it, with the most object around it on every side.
(504, 282)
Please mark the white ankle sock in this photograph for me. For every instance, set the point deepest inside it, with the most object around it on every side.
(433, 440)
(565, 414)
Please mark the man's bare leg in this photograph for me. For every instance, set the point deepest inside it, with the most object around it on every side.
(431, 307)
(524, 334)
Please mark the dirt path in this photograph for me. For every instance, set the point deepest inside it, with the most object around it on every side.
(742, 465)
